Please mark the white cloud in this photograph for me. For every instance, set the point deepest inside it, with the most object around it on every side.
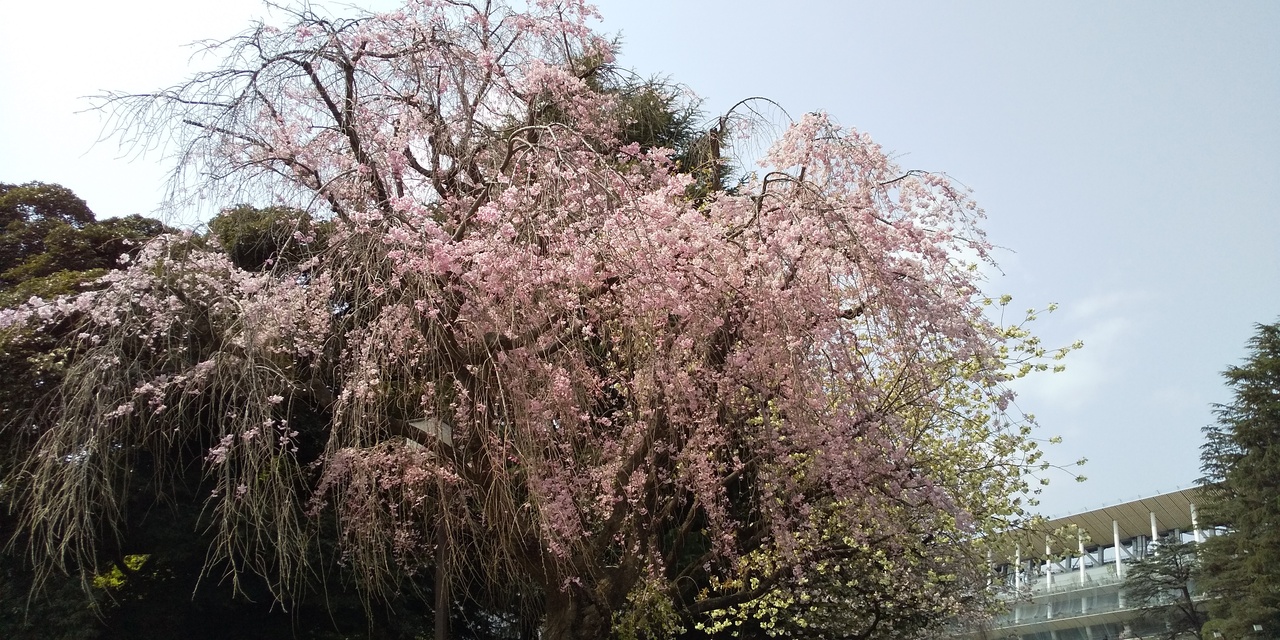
(1106, 325)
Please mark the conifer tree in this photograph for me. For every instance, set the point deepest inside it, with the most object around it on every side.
(1241, 463)
(1163, 585)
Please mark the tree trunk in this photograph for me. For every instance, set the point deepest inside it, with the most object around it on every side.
(573, 618)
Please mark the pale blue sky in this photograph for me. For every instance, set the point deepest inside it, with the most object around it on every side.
(1127, 154)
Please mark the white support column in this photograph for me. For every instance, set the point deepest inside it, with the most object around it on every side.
(1080, 542)
(1048, 575)
(1017, 569)
(1155, 533)
(1017, 583)
(1048, 567)
(1195, 525)
(1115, 535)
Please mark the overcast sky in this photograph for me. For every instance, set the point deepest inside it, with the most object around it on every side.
(1127, 155)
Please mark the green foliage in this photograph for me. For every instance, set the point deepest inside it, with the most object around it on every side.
(655, 113)
(162, 594)
(1162, 584)
(49, 232)
(58, 283)
(37, 201)
(1241, 462)
(897, 590)
(40, 249)
(29, 213)
(651, 614)
(256, 239)
(115, 577)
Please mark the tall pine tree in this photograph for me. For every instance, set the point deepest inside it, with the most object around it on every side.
(1241, 462)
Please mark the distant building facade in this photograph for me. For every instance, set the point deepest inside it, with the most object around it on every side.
(1077, 594)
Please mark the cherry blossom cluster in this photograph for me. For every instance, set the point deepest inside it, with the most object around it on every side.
(614, 376)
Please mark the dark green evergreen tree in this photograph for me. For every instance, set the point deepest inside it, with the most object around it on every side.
(259, 238)
(52, 244)
(1163, 584)
(1241, 463)
(40, 201)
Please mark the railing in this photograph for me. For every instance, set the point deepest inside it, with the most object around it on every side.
(1009, 619)
(1063, 582)
(1113, 602)
(1038, 600)
(1067, 582)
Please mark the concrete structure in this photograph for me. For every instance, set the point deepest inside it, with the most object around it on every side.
(1067, 593)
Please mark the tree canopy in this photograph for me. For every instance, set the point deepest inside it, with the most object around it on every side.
(1164, 585)
(52, 242)
(1241, 570)
(499, 346)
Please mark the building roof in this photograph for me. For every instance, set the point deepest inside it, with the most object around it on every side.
(1172, 511)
